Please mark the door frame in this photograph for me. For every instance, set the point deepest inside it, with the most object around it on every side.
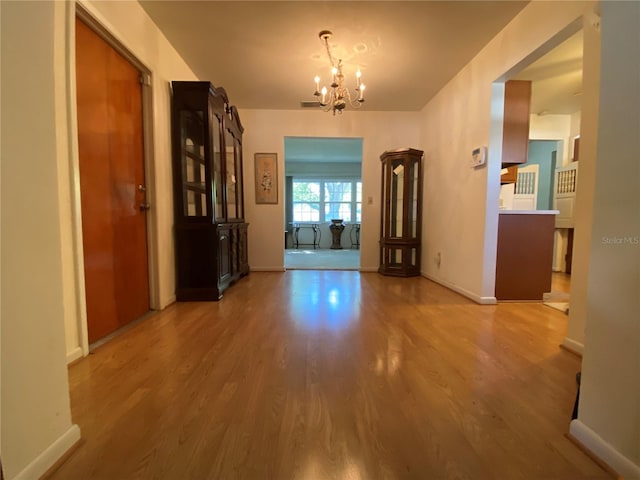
(76, 10)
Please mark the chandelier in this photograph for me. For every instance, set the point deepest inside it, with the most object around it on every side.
(338, 97)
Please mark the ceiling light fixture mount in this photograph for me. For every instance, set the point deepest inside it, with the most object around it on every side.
(336, 99)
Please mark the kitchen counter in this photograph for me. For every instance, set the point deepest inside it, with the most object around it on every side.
(525, 254)
(529, 212)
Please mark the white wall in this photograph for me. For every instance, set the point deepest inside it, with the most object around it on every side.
(132, 27)
(555, 127)
(36, 417)
(574, 339)
(609, 414)
(552, 127)
(461, 203)
(265, 131)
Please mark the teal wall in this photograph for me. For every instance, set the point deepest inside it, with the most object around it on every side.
(541, 153)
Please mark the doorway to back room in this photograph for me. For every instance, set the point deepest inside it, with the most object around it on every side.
(323, 203)
(542, 180)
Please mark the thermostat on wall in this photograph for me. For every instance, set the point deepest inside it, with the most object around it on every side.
(478, 156)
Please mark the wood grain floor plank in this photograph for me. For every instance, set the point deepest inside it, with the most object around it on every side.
(331, 375)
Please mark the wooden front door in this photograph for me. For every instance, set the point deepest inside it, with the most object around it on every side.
(114, 231)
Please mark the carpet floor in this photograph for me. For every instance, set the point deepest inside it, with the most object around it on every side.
(322, 259)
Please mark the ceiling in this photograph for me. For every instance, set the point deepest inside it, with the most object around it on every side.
(556, 79)
(267, 53)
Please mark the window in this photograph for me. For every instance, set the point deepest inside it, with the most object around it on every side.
(339, 199)
(358, 202)
(306, 201)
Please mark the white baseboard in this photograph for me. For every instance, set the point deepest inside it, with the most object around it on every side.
(462, 291)
(605, 452)
(74, 354)
(165, 302)
(268, 269)
(50, 455)
(573, 346)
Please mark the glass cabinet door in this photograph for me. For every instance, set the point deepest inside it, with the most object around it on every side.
(231, 180)
(412, 198)
(237, 151)
(218, 194)
(194, 191)
(397, 198)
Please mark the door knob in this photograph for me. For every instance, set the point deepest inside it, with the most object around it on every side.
(144, 206)
(142, 188)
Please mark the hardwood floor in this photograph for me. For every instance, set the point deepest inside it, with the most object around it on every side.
(560, 282)
(331, 375)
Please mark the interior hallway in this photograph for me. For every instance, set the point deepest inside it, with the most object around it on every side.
(331, 375)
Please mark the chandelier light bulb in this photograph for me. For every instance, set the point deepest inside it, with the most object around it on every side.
(361, 97)
(317, 80)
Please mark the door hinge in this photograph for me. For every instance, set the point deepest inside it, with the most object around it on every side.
(145, 79)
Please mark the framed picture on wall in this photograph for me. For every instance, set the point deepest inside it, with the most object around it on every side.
(266, 174)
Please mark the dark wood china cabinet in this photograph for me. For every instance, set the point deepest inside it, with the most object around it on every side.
(210, 230)
(401, 219)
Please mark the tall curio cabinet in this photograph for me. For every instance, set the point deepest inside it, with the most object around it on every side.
(401, 219)
(210, 230)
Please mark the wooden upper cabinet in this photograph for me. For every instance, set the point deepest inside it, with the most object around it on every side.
(515, 133)
(510, 176)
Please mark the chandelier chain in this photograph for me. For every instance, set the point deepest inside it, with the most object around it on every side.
(326, 46)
